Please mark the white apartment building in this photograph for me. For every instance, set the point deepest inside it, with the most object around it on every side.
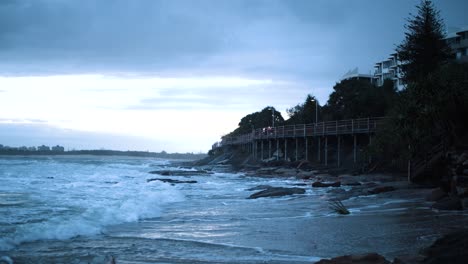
(355, 75)
(389, 69)
(458, 41)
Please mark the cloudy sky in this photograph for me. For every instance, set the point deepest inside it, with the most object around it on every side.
(176, 75)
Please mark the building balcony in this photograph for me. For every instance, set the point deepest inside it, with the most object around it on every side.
(460, 45)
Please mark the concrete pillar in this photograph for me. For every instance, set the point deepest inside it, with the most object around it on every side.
(253, 149)
(261, 151)
(318, 149)
(277, 149)
(269, 149)
(370, 142)
(297, 146)
(306, 149)
(285, 149)
(355, 148)
(326, 151)
(338, 150)
(256, 149)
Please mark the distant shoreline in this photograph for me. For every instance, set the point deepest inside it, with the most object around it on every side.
(163, 155)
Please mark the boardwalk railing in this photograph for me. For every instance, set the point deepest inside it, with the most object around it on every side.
(340, 127)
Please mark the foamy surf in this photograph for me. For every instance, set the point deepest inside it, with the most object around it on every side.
(76, 200)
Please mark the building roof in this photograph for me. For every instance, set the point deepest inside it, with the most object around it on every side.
(453, 32)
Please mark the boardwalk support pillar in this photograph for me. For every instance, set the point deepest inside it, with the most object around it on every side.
(269, 149)
(338, 151)
(306, 149)
(261, 154)
(285, 149)
(297, 146)
(326, 151)
(277, 149)
(354, 148)
(318, 149)
(253, 149)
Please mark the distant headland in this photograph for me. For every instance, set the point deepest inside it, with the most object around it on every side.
(60, 150)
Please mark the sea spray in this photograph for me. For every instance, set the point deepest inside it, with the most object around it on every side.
(78, 199)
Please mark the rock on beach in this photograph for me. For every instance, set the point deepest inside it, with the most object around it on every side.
(277, 192)
(370, 258)
(324, 184)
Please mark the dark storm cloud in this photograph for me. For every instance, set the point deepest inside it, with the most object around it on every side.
(310, 40)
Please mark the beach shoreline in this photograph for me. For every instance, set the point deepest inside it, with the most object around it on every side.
(345, 184)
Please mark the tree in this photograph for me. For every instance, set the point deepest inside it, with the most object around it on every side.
(260, 119)
(303, 113)
(424, 48)
(358, 99)
(432, 109)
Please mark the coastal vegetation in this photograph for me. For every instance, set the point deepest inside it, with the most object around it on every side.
(338, 207)
(430, 110)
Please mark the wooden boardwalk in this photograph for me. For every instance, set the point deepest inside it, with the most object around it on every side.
(340, 127)
(261, 142)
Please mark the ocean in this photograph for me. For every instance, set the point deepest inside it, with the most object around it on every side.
(91, 209)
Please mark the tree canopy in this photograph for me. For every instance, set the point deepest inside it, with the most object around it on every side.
(263, 118)
(433, 105)
(423, 49)
(359, 98)
(303, 113)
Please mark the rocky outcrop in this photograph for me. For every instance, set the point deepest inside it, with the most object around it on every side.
(169, 181)
(277, 192)
(326, 184)
(451, 248)
(181, 172)
(448, 203)
(454, 184)
(382, 189)
(370, 258)
(305, 175)
(436, 195)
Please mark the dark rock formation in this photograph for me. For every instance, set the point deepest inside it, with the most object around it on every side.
(451, 248)
(181, 173)
(448, 203)
(276, 192)
(323, 184)
(382, 189)
(169, 181)
(370, 258)
(436, 195)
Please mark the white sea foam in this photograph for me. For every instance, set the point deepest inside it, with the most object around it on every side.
(83, 190)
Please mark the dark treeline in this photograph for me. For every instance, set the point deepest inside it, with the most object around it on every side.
(432, 107)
